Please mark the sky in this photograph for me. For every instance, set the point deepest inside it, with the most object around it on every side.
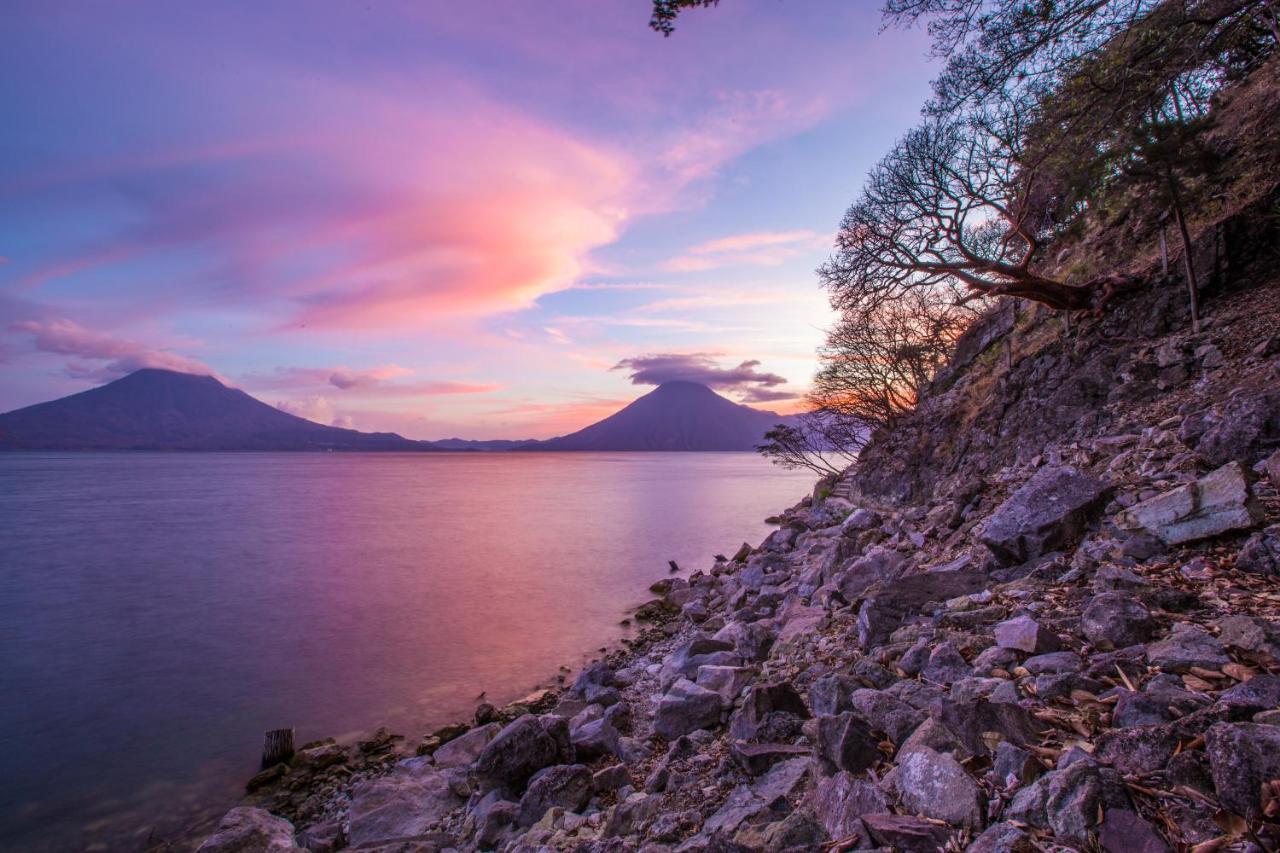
(491, 219)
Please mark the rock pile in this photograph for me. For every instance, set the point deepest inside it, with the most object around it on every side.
(1081, 651)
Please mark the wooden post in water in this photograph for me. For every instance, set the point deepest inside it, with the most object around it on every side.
(278, 747)
(674, 567)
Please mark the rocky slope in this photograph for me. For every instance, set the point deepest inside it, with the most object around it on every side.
(1047, 618)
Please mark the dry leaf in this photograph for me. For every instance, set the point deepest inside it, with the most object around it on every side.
(1271, 798)
(1239, 671)
(1196, 684)
(1233, 825)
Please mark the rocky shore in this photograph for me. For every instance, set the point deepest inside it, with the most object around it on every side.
(1043, 615)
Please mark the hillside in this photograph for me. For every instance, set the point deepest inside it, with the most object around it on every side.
(155, 409)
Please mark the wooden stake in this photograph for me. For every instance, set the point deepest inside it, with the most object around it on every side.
(277, 748)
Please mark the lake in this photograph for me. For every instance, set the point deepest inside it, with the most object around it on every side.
(159, 612)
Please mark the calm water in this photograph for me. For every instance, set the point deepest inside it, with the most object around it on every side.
(158, 612)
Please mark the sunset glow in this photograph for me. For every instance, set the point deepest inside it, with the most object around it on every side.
(430, 218)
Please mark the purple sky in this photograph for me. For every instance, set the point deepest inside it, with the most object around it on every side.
(484, 219)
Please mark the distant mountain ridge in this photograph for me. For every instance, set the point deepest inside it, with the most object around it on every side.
(674, 416)
(154, 409)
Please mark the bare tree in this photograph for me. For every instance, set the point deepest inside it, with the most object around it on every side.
(949, 209)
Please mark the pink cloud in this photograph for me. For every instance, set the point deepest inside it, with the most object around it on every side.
(760, 248)
(385, 381)
(100, 355)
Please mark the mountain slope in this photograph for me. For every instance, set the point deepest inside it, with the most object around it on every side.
(153, 409)
(674, 416)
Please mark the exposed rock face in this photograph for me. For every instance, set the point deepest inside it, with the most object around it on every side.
(249, 830)
(567, 786)
(1049, 511)
(1214, 504)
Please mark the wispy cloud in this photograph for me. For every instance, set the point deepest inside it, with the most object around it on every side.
(99, 355)
(759, 249)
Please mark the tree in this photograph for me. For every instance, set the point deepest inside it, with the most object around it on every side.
(948, 209)
(665, 12)
(873, 366)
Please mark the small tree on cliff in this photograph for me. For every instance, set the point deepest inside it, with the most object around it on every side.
(948, 210)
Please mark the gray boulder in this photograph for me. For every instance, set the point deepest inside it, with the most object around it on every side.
(465, 749)
(1242, 756)
(1027, 635)
(841, 800)
(403, 804)
(685, 708)
(945, 665)
(568, 786)
(250, 830)
(830, 694)
(1002, 838)
(1247, 430)
(770, 793)
(906, 834)
(1186, 646)
(727, 681)
(1251, 634)
(1049, 511)
(845, 742)
(524, 747)
(935, 785)
(1116, 620)
(1218, 502)
(685, 660)
(1261, 553)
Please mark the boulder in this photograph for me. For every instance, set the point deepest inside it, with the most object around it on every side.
(970, 721)
(906, 834)
(684, 661)
(402, 804)
(465, 749)
(841, 800)
(250, 830)
(1053, 663)
(1026, 635)
(1247, 430)
(845, 742)
(524, 747)
(1187, 646)
(685, 708)
(1074, 795)
(1124, 830)
(1251, 634)
(886, 713)
(1003, 838)
(1048, 512)
(1013, 766)
(935, 785)
(727, 681)
(887, 604)
(1261, 553)
(595, 738)
(1116, 620)
(763, 702)
(1242, 756)
(771, 793)
(830, 694)
(945, 665)
(1138, 709)
(757, 758)
(568, 786)
(750, 640)
(861, 519)
(1218, 502)
(878, 565)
